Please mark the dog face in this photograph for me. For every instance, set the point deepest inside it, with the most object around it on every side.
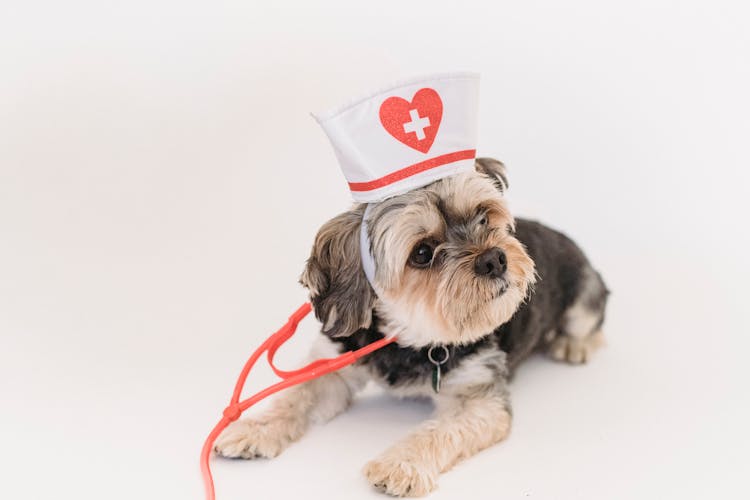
(448, 267)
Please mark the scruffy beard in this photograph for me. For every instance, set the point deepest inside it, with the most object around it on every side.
(452, 307)
(447, 302)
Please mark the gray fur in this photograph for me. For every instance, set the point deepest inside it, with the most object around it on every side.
(340, 293)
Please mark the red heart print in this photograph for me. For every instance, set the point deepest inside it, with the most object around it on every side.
(414, 123)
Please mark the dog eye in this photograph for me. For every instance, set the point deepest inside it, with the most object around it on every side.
(421, 255)
(483, 220)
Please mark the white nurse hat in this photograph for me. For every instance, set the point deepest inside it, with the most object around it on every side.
(406, 136)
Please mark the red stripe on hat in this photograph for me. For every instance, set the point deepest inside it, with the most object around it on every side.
(405, 172)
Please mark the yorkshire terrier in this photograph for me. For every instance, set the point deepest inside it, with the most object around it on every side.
(470, 292)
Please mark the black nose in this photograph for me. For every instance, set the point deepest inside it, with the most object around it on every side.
(491, 263)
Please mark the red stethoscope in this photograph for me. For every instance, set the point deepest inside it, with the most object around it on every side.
(311, 371)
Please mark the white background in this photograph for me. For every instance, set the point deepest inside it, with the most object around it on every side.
(161, 182)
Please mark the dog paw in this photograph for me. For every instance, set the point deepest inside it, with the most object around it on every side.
(574, 350)
(400, 477)
(255, 439)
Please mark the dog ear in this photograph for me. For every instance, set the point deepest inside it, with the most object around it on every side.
(495, 170)
(339, 291)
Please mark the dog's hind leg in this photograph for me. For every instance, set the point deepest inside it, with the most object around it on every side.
(579, 333)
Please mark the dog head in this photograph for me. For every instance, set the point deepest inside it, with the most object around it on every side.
(448, 266)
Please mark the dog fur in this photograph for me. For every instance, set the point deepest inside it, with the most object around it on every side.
(495, 290)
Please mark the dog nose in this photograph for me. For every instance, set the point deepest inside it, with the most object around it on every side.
(491, 263)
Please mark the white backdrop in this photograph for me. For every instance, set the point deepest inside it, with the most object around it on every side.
(161, 182)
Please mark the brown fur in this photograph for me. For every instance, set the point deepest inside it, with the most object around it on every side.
(486, 321)
(460, 305)
(340, 293)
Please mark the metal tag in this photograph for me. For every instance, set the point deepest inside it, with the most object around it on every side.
(436, 378)
(437, 371)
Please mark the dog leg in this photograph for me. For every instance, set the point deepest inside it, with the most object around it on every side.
(464, 424)
(580, 331)
(576, 350)
(292, 412)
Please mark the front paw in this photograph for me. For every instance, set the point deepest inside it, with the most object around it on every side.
(255, 438)
(399, 476)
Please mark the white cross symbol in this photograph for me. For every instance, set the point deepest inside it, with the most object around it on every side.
(416, 124)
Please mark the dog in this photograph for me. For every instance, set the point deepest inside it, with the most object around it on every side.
(470, 292)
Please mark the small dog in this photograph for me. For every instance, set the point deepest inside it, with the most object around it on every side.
(469, 291)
